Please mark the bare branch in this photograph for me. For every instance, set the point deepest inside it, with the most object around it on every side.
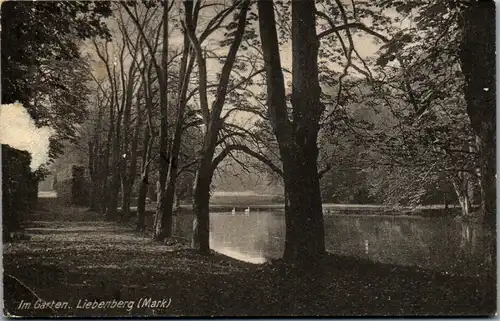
(245, 149)
(353, 25)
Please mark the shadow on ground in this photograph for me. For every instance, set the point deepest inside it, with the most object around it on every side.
(73, 257)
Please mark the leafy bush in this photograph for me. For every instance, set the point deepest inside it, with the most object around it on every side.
(19, 188)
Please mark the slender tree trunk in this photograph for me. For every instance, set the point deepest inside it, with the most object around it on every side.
(104, 174)
(93, 204)
(159, 232)
(141, 202)
(106, 159)
(177, 200)
(124, 175)
(201, 194)
(114, 189)
(126, 195)
(144, 183)
(201, 208)
(103, 167)
(133, 159)
(185, 71)
(129, 181)
(290, 218)
(461, 185)
(213, 124)
(478, 64)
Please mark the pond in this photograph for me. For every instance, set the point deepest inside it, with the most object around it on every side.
(436, 243)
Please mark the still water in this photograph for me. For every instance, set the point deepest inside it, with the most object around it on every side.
(436, 243)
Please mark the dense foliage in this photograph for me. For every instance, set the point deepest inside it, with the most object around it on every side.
(42, 66)
(19, 189)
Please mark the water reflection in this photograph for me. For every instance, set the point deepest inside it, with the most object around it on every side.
(437, 243)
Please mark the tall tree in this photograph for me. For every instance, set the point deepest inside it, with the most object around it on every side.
(297, 138)
(146, 23)
(478, 58)
(211, 117)
(96, 146)
(297, 127)
(161, 69)
(466, 27)
(163, 224)
(123, 85)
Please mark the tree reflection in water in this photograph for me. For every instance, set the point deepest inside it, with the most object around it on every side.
(436, 243)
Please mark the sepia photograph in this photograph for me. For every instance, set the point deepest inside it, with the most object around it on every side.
(235, 158)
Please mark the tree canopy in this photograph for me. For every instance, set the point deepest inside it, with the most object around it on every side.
(42, 66)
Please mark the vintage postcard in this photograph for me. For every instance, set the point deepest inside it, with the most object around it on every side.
(231, 158)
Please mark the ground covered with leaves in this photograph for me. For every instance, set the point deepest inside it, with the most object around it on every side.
(78, 259)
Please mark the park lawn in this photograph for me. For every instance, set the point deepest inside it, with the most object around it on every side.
(95, 260)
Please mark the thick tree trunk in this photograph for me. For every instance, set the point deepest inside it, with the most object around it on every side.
(305, 193)
(297, 141)
(478, 64)
(305, 232)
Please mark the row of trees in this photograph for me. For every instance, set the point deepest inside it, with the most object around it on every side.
(158, 81)
(156, 105)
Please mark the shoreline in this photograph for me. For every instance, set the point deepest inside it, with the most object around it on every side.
(219, 285)
(328, 210)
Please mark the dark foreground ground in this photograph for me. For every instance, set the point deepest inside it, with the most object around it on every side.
(73, 258)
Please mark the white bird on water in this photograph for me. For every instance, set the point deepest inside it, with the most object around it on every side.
(247, 211)
(233, 212)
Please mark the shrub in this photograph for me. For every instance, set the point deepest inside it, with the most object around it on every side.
(19, 189)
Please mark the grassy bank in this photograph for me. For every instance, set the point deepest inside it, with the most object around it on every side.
(72, 256)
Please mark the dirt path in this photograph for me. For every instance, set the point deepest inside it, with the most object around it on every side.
(97, 260)
(77, 261)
